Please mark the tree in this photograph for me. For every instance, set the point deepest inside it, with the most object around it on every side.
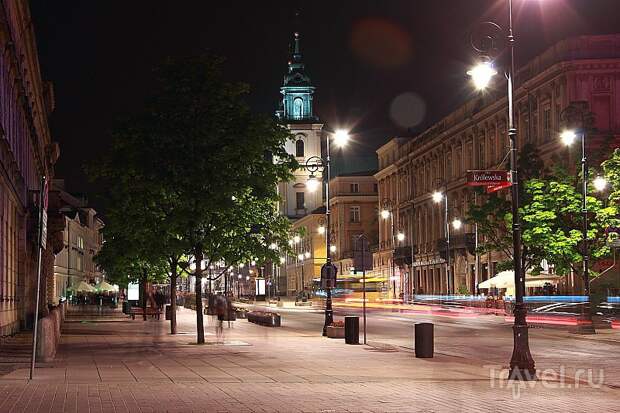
(493, 216)
(199, 172)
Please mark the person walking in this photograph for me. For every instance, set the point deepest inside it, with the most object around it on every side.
(220, 309)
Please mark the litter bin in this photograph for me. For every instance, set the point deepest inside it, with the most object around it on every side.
(351, 329)
(424, 340)
(168, 312)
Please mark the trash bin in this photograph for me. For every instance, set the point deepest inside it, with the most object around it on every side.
(424, 340)
(168, 312)
(351, 329)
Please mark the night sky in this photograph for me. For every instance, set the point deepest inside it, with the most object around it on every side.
(383, 67)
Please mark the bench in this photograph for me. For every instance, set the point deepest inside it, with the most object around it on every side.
(264, 318)
(153, 312)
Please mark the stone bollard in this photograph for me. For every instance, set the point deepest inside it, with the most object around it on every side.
(424, 340)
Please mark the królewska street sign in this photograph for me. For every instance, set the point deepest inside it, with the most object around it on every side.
(493, 180)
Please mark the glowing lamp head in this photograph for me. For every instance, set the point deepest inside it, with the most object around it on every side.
(332, 248)
(600, 183)
(296, 239)
(312, 183)
(385, 214)
(300, 257)
(282, 260)
(481, 75)
(437, 197)
(253, 263)
(241, 265)
(307, 254)
(400, 236)
(239, 276)
(321, 229)
(247, 278)
(457, 223)
(273, 246)
(341, 137)
(568, 137)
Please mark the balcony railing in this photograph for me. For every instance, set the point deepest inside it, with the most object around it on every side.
(458, 242)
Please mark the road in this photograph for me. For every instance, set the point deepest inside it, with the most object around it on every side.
(485, 340)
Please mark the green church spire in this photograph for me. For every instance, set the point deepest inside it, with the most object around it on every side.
(297, 89)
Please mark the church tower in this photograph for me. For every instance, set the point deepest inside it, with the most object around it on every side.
(297, 114)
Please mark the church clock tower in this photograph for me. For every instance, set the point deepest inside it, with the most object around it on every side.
(297, 114)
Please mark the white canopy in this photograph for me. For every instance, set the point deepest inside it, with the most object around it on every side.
(506, 279)
(105, 286)
(83, 287)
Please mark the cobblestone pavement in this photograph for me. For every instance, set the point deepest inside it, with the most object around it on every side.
(136, 366)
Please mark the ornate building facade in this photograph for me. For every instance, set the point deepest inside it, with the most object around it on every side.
(27, 153)
(584, 70)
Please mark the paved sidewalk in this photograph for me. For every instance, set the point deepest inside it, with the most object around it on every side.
(136, 366)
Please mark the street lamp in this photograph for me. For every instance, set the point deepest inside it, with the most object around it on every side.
(457, 223)
(437, 198)
(481, 75)
(568, 137)
(321, 229)
(600, 183)
(521, 362)
(314, 164)
(400, 236)
(387, 211)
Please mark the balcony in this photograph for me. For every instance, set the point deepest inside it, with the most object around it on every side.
(465, 241)
(402, 255)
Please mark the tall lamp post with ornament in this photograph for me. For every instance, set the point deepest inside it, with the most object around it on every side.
(484, 41)
(313, 165)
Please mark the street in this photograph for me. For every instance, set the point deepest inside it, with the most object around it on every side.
(481, 339)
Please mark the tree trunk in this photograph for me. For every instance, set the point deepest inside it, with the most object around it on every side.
(173, 297)
(200, 329)
(144, 294)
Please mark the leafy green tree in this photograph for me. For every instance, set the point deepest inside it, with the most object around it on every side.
(197, 173)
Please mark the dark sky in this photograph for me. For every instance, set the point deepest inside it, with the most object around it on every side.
(361, 55)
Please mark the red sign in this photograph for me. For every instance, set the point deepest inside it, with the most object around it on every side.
(488, 178)
(495, 188)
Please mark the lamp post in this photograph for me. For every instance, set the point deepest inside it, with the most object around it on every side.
(314, 164)
(437, 198)
(568, 137)
(522, 365)
(387, 211)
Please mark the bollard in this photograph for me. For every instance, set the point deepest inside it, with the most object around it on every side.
(424, 340)
(351, 329)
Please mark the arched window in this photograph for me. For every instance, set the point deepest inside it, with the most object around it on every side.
(299, 148)
(298, 108)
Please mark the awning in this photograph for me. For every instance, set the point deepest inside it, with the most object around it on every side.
(83, 287)
(506, 279)
(105, 286)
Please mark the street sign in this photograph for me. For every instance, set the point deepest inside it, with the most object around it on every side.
(362, 258)
(328, 276)
(486, 178)
(43, 223)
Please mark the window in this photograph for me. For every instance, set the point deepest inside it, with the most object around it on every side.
(300, 199)
(547, 124)
(299, 148)
(79, 262)
(355, 214)
(375, 188)
(80, 242)
(449, 166)
(298, 108)
(481, 160)
(355, 188)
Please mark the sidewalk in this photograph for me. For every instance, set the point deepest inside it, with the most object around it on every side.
(136, 366)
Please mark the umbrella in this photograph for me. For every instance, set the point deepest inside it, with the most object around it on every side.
(105, 286)
(83, 287)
